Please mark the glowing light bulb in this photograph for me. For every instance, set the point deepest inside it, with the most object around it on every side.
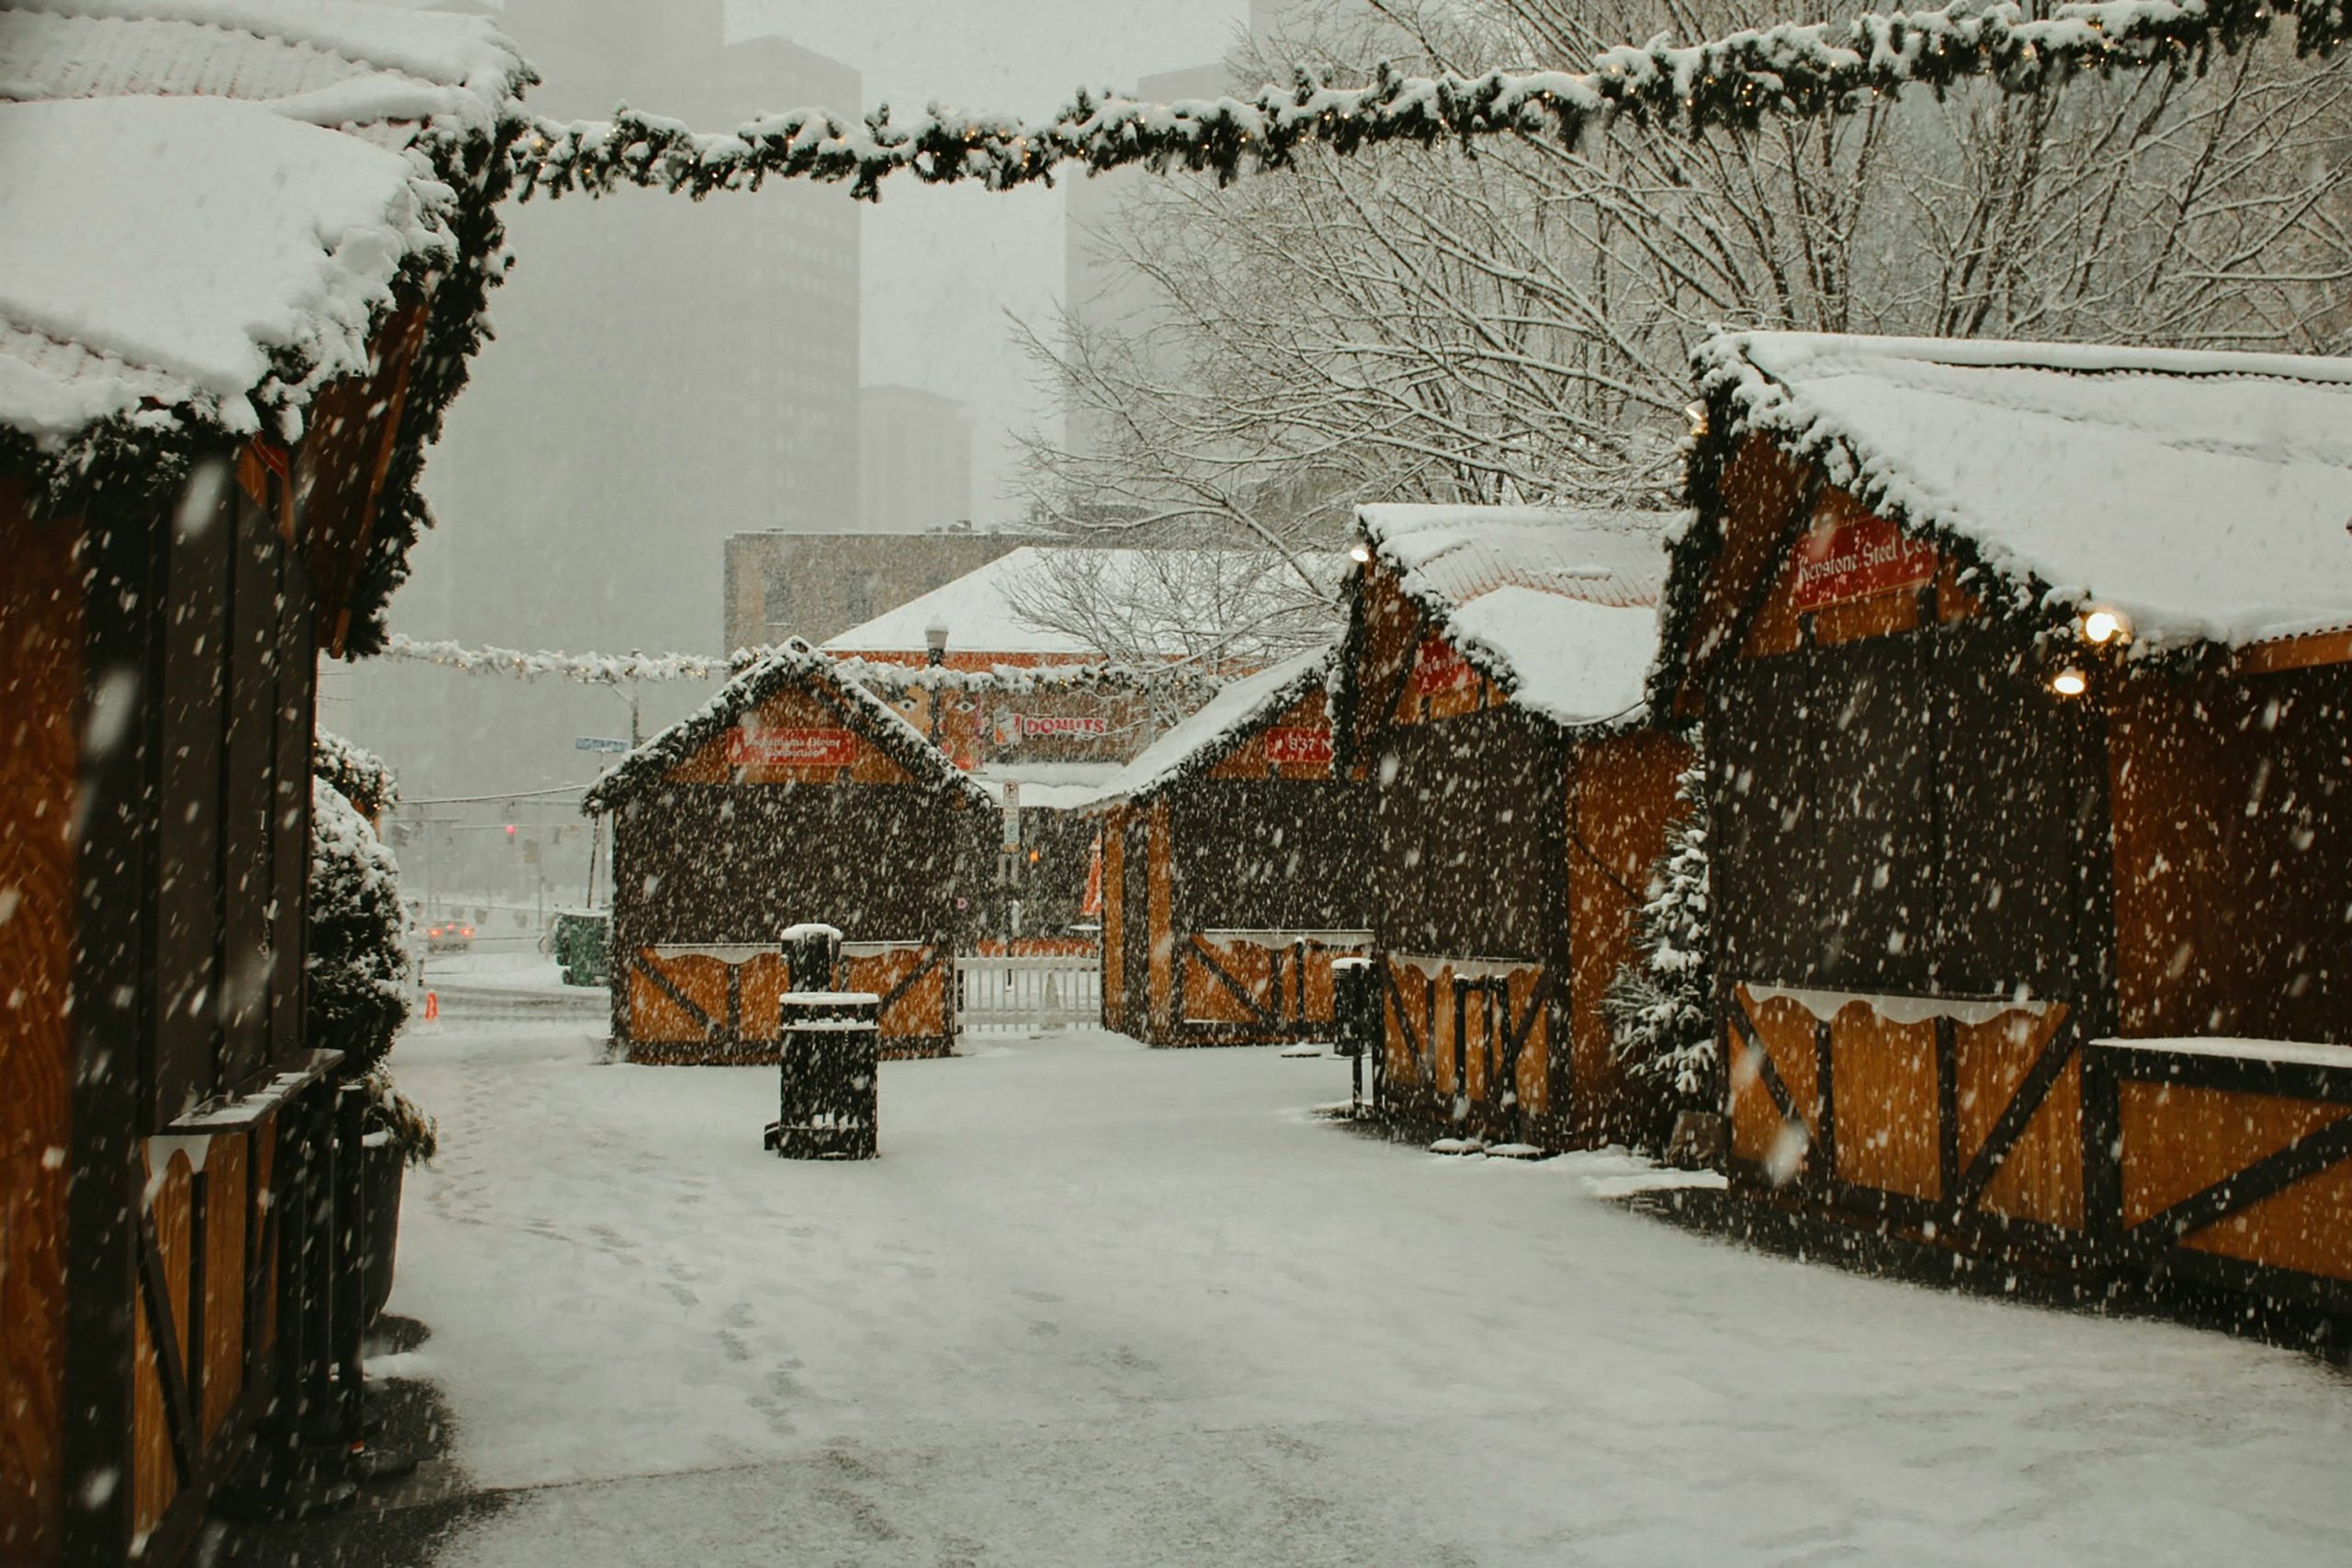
(2104, 627)
(2069, 684)
(1360, 551)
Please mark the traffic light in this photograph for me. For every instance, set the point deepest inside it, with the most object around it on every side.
(510, 829)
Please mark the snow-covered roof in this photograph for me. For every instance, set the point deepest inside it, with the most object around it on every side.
(2206, 495)
(208, 201)
(1559, 606)
(770, 673)
(1204, 737)
(1144, 591)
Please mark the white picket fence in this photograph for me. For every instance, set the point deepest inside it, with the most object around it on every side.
(1028, 994)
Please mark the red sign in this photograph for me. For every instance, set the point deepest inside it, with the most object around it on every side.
(790, 747)
(1057, 724)
(1299, 743)
(1860, 559)
(1440, 667)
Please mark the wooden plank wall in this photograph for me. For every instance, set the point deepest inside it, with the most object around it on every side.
(1113, 828)
(40, 680)
(1621, 798)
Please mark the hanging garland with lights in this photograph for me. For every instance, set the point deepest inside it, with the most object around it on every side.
(1737, 81)
(876, 675)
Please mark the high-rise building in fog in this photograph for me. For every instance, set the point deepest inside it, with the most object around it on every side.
(666, 373)
(914, 458)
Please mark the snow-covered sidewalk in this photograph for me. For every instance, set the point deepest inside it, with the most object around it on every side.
(1101, 1306)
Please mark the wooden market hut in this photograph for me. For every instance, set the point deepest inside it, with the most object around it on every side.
(1491, 692)
(2025, 677)
(1234, 869)
(226, 335)
(795, 795)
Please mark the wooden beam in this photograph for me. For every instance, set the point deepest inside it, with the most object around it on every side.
(2272, 1174)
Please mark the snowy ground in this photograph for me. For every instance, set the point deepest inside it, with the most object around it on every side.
(1099, 1305)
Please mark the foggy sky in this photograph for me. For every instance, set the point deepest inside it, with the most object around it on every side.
(943, 265)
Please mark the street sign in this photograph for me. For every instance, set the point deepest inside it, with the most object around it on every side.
(598, 743)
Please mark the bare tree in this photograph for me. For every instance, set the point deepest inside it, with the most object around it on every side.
(1411, 325)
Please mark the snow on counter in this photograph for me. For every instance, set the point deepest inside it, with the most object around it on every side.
(1826, 1005)
(2285, 1052)
(2206, 495)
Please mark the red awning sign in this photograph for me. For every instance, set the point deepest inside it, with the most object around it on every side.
(1859, 560)
(790, 749)
(1299, 743)
(1440, 667)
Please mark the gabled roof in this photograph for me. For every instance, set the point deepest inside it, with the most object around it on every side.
(774, 672)
(2206, 495)
(982, 609)
(1205, 737)
(1559, 607)
(209, 206)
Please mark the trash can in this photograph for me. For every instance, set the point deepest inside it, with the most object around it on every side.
(826, 1099)
(812, 952)
(1355, 1010)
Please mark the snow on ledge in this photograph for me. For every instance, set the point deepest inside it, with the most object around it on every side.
(2285, 1052)
(1824, 1006)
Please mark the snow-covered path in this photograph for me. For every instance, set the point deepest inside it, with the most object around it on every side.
(1099, 1305)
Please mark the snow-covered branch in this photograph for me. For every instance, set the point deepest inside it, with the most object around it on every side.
(1735, 82)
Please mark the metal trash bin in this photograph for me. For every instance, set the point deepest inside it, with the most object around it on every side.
(812, 954)
(1355, 1011)
(827, 1103)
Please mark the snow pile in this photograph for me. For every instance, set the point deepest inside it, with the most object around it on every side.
(1204, 736)
(592, 669)
(1558, 607)
(2205, 495)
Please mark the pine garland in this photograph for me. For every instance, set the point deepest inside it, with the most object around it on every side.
(878, 675)
(1794, 69)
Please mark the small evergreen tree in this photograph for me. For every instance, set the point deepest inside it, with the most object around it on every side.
(1658, 1006)
(357, 971)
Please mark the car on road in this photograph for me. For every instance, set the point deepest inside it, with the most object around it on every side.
(448, 936)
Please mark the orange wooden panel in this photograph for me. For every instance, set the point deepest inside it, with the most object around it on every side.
(1621, 798)
(760, 982)
(2307, 1226)
(921, 1010)
(1207, 1000)
(1887, 1120)
(1398, 1039)
(226, 1199)
(155, 1481)
(41, 643)
(653, 1017)
(265, 1162)
(2295, 653)
(2179, 1141)
(1533, 1081)
(1785, 1030)
(1161, 870)
(2043, 1177)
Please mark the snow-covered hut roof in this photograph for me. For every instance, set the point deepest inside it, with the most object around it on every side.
(209, 206)
(1201, 739)
(1558, 607)
(982, 609)
(770, 673)
(2206, 495)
